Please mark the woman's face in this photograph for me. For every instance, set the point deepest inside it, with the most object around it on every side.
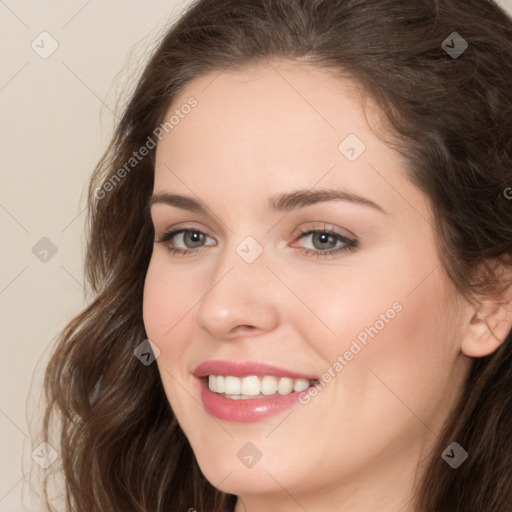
(300, 253)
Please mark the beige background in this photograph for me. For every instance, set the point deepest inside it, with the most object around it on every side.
(57, 114)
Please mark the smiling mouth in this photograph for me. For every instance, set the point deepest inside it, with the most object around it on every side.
(255, 386)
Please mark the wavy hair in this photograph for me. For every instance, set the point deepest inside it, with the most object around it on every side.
(121, 447)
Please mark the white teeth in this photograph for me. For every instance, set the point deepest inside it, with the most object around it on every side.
(232, 385)
(219, 384)
(250, 386)
(268, 385)
(253, 386)
(298, 384)
(285, 386)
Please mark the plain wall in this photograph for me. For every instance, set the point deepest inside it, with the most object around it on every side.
(57, 115)
(57, 118)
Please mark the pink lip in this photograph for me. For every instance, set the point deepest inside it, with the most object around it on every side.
(244, 369)
(250, 410)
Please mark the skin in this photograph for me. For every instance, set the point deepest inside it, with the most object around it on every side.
(361, 443)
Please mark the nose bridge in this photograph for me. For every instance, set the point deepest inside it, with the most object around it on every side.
(239, 293)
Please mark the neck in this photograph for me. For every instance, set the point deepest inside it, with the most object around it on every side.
(382, 486)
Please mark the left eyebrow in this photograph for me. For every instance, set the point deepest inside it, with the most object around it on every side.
(279, 203)
(300, 198)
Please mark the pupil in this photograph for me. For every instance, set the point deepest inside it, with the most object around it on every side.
(323, 239)
(193, 238)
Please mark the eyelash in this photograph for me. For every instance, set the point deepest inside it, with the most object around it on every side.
(349, 244)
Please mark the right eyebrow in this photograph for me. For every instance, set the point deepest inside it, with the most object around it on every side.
(184, 202)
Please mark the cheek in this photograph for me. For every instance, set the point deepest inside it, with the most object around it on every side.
(388, 323)
(166, 303)
(168, 298)
(403, 354)
(343, 308)
(154, 304)
(393, 305)
(365, 289)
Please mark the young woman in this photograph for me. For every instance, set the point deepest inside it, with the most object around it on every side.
(300, 246)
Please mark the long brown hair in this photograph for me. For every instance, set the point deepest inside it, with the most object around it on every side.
(121, 448)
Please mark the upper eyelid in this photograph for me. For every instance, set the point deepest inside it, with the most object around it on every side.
(301, 232)
(348, 240)
(215, 221)
(179, 230)
(180, 227)
(329, 228)
(325, 226)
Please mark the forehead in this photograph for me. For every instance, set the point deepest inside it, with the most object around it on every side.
(273, 127)
(280, 103)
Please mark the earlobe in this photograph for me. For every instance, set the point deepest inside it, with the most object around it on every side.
(487, 329)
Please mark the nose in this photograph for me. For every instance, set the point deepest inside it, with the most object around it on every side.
(240, 300)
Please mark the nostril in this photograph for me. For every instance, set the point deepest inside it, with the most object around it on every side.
(243, 328)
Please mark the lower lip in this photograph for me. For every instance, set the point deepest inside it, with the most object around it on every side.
(245, 411)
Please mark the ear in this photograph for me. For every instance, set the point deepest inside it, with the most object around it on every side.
(490, 321)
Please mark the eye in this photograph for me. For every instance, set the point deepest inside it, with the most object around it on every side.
(184, 240)
(323, 242)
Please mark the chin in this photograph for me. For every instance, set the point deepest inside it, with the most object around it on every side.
(241, 481)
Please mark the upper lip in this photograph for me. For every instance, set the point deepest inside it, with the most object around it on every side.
(244, 369)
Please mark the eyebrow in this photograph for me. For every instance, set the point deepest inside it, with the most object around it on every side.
(279, 203)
